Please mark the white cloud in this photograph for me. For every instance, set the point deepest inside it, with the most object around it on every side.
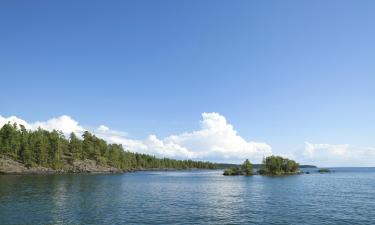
(337, 155)
(63, 123)
(12, 120)
(218, 138)
(313, 150)
(103, 128)
(215, 140)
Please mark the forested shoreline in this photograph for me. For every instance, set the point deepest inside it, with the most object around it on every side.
(51, 149)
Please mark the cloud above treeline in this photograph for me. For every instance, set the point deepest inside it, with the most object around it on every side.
(337, 155)
(216, 139)
(63, 123)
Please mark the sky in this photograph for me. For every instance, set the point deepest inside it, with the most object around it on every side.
(207, 80)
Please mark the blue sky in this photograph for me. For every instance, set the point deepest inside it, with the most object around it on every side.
(298, 76)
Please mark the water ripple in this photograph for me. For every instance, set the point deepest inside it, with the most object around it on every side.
(199, 197)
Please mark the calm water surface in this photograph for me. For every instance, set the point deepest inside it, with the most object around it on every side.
(346, 196)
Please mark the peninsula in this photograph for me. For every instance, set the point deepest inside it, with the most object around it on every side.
(24, 151)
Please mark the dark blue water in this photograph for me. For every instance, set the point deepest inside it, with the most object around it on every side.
(346, 196)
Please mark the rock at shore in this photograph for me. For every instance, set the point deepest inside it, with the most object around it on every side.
(10, 166)
(90, 166)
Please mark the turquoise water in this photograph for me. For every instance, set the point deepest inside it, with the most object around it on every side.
(346, 196)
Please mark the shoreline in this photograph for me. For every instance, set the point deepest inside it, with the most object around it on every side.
(9, 166)
(95, 173)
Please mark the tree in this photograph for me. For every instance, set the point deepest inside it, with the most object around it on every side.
(25, 150)
(276, 165)
(87, 145)
(233, 171)
(10, 140)
(75, 147)
(56, 150)
(41, 148)
(247, 168)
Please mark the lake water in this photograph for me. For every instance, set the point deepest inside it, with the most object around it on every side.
(346, 196)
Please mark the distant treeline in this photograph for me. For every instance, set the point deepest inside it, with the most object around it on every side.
(54, 150)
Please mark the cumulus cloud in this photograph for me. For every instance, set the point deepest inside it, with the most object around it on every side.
(215, 140)
(14, 119)
(316, 150)
(337, 155)
(63, 123)
(103, 128)
(217, 137)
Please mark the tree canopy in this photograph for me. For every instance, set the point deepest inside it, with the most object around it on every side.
(246, 169)
(277, 165)
(272, 165)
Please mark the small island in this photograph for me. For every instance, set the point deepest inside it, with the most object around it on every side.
(246, 169)
(324, 170)
(271, 166)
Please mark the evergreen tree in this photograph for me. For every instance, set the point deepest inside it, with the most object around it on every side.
(276, 165)
(41, 147)
(25, 149)
(247, 168)
(56, 150)
(75, 147)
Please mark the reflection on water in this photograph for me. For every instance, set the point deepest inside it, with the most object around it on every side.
(189, 197)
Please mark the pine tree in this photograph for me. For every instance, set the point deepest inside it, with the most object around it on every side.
(247, 168)
(75, 147)
(25, 148)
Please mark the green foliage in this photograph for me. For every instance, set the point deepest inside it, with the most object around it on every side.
(276, 165)
(233, 171)
(247, 168)
(39, 142)
(25, 150)
(324, 170)
(10, 140)
(75, 147)
(52, 149)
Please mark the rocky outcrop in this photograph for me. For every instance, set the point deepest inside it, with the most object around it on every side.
(10, 166)
(90, 166)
